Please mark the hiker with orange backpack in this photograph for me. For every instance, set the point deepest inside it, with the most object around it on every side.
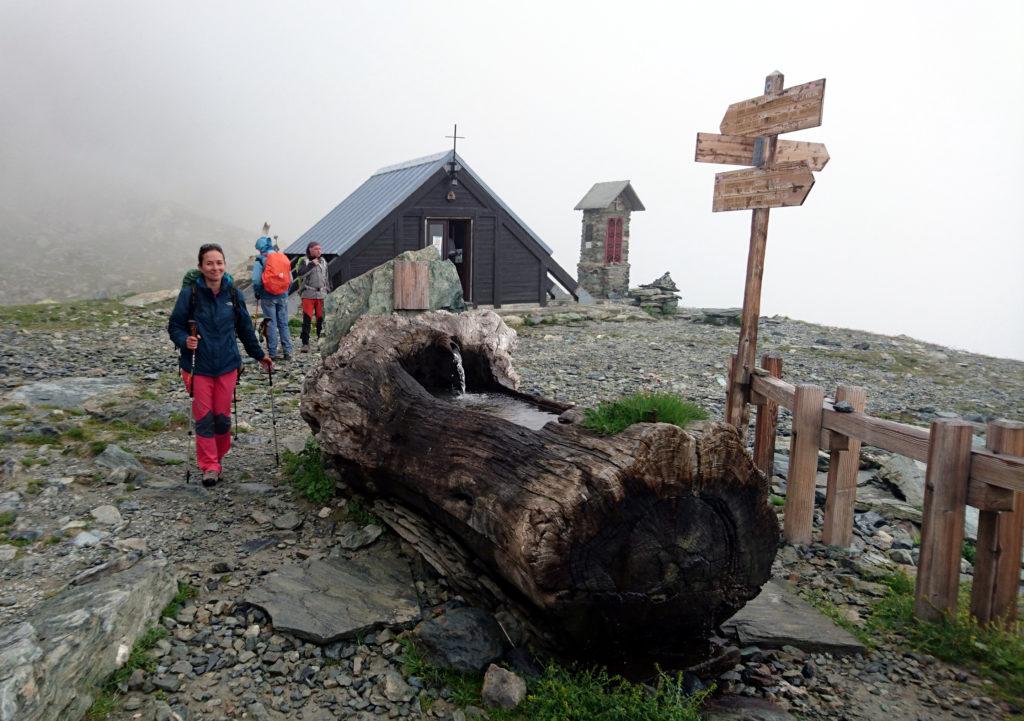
(207, 318)
(271, 278)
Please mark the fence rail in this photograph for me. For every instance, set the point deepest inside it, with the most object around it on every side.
(990, 479)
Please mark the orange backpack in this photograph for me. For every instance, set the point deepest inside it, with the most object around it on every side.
(277, 275)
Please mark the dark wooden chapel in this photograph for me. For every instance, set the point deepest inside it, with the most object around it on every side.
(438, 200)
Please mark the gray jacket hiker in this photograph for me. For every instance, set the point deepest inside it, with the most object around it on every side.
(311, 272)
(315, 282)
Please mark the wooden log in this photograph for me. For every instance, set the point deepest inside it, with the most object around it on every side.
(998, 550)
(798, 517)
(640, 540)
(942, 527)
(767, 422)
(841, 492)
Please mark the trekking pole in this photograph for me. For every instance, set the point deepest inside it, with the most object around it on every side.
(273, 409)
(193, 331)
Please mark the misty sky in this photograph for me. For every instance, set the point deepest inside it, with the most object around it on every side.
(246, 111)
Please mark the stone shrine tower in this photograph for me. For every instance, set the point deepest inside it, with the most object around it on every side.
(603, 270)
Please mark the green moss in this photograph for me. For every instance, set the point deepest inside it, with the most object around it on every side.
(614, 417)
(7, 518)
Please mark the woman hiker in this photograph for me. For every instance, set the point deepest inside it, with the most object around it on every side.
(219, 315)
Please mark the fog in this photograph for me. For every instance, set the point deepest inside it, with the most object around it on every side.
(245, 112)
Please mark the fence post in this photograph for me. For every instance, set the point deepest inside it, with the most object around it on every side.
(766, 425)
(841, 494)
(942, 528)
(798, 517)
(997, 562)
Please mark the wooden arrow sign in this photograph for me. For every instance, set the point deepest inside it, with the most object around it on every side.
(784, 185)
(794, 108)
(739, 150)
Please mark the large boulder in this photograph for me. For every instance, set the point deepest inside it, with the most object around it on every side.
(51, 663)
(373, 293)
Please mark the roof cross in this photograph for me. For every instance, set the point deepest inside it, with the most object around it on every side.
(455, 138)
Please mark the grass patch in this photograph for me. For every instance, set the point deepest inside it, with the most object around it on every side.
(613, 417)
(12, 408)
(76, 434)
(185, 592)
(305, 471)
(7, 518)
(561, 694)
(356, 512)
(108, 699)
(995, 652)
(97, 447)
(465, 687)
(64, 315)
(969, 551)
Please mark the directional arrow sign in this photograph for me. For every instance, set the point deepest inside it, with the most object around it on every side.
(739, 150)
(777, 187)
(794, 108)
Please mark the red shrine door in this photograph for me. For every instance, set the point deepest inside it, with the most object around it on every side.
(613, 241)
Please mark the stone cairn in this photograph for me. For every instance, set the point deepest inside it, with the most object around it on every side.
(659, 296)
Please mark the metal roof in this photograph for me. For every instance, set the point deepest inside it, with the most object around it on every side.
(603, 194)
(382, 192)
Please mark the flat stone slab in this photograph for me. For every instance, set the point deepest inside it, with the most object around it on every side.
(740, 708)
(326, 600)
(778, 617)
(66, 392)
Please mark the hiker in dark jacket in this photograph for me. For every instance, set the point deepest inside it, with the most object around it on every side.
(220, 316)
(316, 284)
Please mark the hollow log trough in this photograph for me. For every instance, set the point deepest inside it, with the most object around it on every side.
(634, 542)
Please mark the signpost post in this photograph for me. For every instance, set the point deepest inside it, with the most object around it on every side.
(781, 177)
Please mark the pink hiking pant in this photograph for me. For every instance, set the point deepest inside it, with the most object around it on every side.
(211, 409)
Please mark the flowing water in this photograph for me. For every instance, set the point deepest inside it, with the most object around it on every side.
(503, 406)
(460, 370)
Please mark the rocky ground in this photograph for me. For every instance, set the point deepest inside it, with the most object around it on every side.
(93, 474)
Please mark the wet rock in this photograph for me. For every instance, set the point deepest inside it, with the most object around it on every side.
(462, 639)
(502, 688)
(323, 601)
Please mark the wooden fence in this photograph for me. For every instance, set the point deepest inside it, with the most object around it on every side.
(990, 479)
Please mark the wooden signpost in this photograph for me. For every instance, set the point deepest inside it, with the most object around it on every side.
(781, 176)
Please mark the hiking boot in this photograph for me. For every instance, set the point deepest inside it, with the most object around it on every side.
(287, 356)
(210, 478)
(304, 348)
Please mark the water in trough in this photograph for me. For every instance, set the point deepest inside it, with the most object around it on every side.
(500, 405)
(503, 406)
